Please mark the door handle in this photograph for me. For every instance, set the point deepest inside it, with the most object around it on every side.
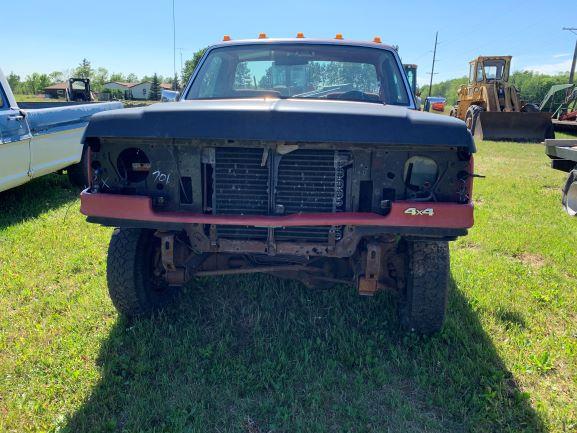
(16, 117)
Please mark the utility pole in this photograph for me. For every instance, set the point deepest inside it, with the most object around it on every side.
(572, 73)
(433, 65)
(173, 39)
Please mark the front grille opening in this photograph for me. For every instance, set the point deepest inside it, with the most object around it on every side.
(366, 196)
(303, 234)
(245, 233)
(257, 181)
(307, 181)
(207, 186)
(241, 181)
(185, 190)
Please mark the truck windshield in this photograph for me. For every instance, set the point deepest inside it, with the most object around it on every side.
(300, 71)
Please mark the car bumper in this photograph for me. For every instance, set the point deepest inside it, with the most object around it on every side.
(131, 208)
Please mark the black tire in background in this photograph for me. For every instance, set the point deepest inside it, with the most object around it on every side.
(569, 198)
(423, 302)
(530, 108)
(135, 273)
(78, 173)
(472, 117)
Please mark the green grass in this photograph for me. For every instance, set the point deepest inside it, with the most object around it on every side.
(34, 98)
(254, 354)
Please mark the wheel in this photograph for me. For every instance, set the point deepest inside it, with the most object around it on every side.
(78, 173)
(569, 199)
(453, 112)
(423, 302)
(135, 273)
(472, 117)
(530, 108)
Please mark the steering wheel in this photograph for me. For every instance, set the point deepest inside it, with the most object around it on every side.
(353, 95)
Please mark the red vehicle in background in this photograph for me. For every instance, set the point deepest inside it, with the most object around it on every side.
(435, 103)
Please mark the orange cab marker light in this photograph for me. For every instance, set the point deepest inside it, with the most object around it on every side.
(377, 40)
(300, 35)
(339, 36)
(262, 36)
(226, 38)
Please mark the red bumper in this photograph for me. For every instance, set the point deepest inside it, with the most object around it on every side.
(402, 214)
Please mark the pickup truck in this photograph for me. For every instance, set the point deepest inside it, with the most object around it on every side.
(563, 154)
(300, 158)
(35, 142)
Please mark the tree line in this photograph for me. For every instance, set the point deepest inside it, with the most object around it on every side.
(36, 82)
(533, 86)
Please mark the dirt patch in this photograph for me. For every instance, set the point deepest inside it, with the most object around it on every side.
(468, 245)
(532, 259)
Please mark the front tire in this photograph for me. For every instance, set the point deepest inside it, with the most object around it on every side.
(423, 301)
(135, 273)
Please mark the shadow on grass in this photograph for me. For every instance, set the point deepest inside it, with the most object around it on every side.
(253, 355)
(32, 199)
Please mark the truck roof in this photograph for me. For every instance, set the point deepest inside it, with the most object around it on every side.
(312, 41)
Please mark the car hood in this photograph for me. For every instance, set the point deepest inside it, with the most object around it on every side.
(293, 120)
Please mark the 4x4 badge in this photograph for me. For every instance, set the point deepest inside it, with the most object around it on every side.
(413, 211)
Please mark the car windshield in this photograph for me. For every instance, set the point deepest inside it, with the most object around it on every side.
(300, 71)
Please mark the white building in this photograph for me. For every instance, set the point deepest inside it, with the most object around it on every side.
(135, 90)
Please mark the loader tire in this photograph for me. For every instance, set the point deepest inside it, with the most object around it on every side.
(569, 199)
(423, 300)
(530, 108)
(472, 117)
(134, 272)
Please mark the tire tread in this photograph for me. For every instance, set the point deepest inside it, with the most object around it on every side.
(423, 306)
(121, 272)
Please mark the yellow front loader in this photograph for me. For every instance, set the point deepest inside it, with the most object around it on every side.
(491, 106)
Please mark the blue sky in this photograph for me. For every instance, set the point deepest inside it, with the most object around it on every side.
(136, 36)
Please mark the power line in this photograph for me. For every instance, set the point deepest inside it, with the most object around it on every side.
(174, 39)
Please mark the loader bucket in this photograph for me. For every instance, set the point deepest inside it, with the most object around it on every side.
(565, 125)
(514, 126)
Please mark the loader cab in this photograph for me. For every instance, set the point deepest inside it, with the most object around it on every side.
(79, 90)
(489, 69)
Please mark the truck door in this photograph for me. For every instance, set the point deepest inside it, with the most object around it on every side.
(14, 146)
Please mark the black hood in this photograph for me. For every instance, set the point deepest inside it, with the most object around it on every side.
(293, 120)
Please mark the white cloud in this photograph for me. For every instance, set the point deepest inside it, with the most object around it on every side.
(556, 56)
(550, 68)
